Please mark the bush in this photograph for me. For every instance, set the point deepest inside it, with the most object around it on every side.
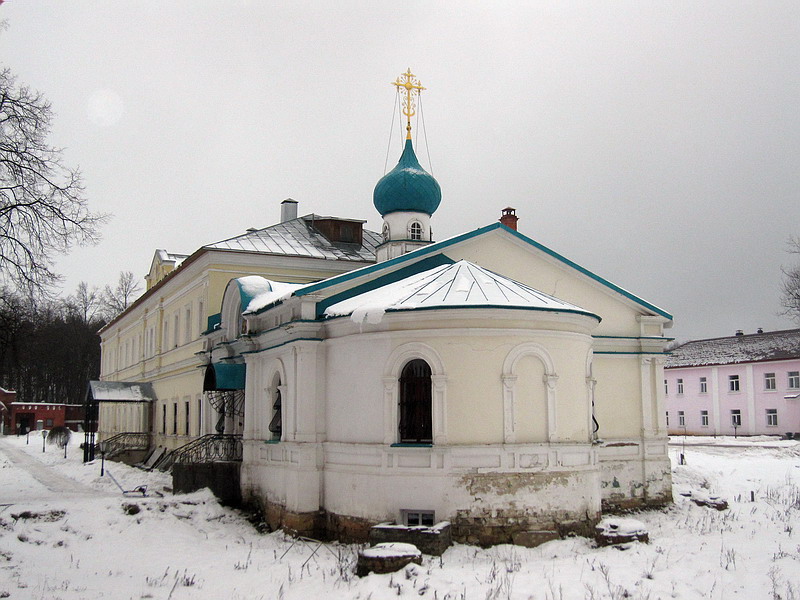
(59, 436)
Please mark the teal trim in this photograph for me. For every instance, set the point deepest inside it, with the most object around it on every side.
(229, 376)
(439, 246)
(418, 267)
(283, 344)
(495, 306)
(213, 323)
(411, 446)
(272, 441)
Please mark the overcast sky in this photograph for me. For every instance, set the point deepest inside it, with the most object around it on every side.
(655, 143)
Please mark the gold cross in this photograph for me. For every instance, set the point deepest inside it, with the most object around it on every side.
(411, 84)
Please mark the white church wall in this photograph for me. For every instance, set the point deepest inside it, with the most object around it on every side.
(518, 260)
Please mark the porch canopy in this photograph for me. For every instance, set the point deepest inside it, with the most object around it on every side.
(120, 391)
(224, 376)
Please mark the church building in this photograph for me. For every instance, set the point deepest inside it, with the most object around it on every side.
(484, 379)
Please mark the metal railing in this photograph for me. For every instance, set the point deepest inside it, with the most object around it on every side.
(214, 447)
(122, 442)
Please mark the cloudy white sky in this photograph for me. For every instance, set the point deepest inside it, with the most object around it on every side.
(655, 143)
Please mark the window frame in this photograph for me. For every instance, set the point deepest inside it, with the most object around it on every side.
(679, 385)
(770, 382)
(703, 418)
(736, 417)
(793, 380)
(772, 417)
(681, 418)
(703, 385)
(415, 231)
(734, 384)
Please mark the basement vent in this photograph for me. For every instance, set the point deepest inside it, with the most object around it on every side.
(412, 518)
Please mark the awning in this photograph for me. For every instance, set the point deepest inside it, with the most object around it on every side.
(224, 376)
(120, 391)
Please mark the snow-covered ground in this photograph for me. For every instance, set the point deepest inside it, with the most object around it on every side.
(67, 533)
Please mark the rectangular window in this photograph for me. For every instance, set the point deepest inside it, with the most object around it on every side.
(187, 326)
(772, 417)
(704, 418)
(186, 419)
(174, 418)
(201, 323)
(667, 418)
(680, 386)
(769, 381)
(417, 518)
(703, 385)
(794, 380)
(736, 417)
(681, 419)
(176, 332)
(164, 419)
(733, 383)
(199, 416)
(49, 422)
(666, 387)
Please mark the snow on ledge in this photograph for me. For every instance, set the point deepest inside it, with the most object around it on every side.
(392, 549)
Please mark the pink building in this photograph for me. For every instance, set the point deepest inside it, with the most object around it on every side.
(743, 384)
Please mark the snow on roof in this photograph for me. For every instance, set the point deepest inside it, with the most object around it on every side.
(457, 285)
(121, 391)
(771, 345)
(298, 237)
(276, 292)
(165, 256)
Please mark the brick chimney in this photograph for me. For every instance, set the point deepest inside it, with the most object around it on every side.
(509, 218)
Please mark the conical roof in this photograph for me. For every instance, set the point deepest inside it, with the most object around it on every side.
(407, 187)
(458, 285)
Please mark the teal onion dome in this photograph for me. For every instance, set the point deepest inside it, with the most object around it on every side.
(407, 187)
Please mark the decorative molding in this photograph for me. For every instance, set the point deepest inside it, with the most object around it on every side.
(509, 391)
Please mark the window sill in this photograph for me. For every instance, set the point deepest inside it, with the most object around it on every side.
(411, 445)
(272, 441)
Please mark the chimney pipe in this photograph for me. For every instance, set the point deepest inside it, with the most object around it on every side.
(760, 330)
(509, 218)
(288, 210)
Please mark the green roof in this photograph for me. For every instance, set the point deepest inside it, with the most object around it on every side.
(407, 187)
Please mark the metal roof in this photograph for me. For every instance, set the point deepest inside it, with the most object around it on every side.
(458, 285)
(298, 237)
(121, 391)
(757, 347)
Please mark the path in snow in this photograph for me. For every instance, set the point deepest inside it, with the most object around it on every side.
(54, 482)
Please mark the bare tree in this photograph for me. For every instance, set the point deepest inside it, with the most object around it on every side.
(122, 296)
(43, 211)
(86, 303)
(791, 284)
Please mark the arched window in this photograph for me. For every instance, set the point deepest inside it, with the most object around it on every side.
(415, 231)
(275, 424)
(416, 419)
